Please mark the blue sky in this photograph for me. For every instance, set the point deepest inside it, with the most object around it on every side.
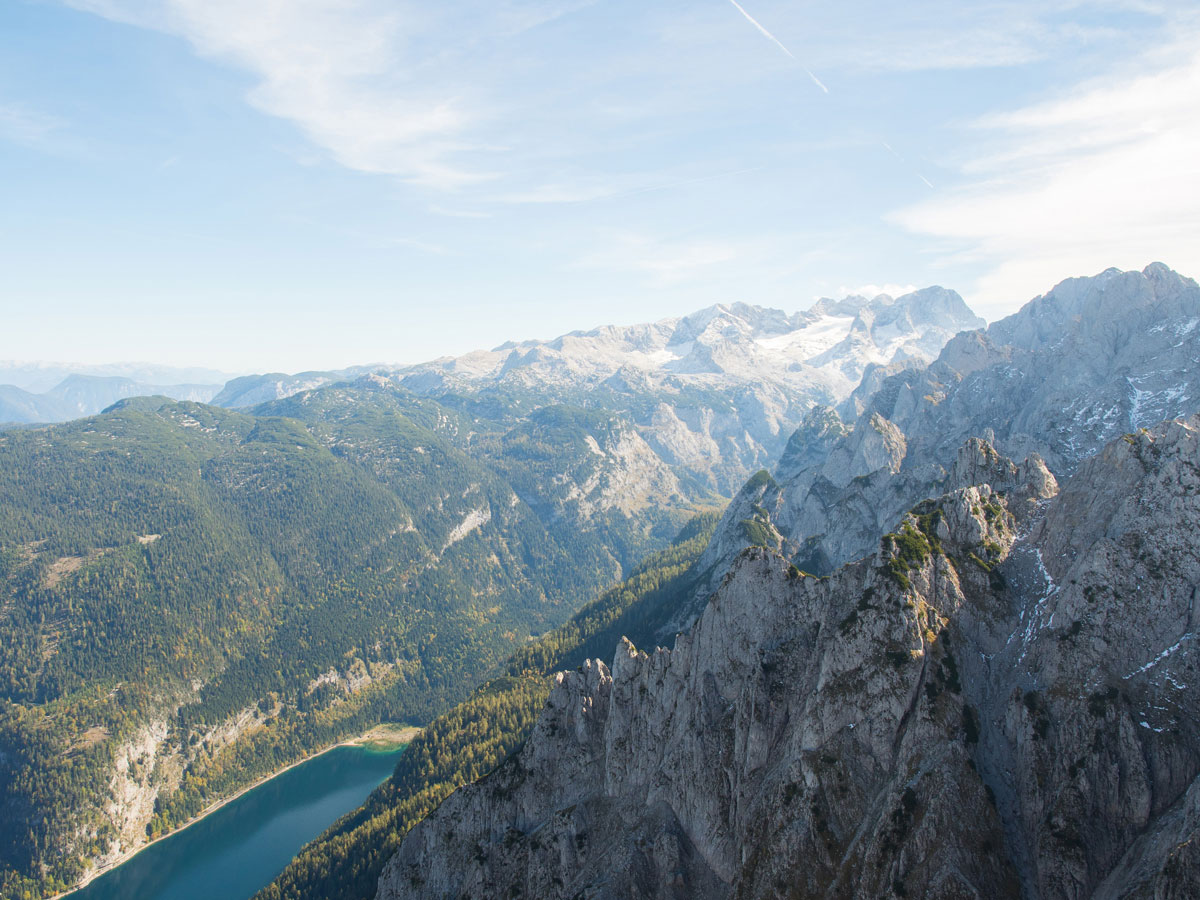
(290, 184)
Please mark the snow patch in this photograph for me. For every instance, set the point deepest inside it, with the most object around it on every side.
(1154, 662)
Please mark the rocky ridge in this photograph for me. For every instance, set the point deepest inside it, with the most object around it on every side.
(1000, 701)
(714, 394)
(719, 391)
(1072, 370)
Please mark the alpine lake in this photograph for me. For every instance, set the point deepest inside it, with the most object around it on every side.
(236, 850)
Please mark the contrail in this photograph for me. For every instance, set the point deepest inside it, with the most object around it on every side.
(774, 40)
(888, 147)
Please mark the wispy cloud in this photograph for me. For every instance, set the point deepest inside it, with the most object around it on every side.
(715, 263)
(874, 290)
(459, 213)
(423, 246)
(593, 189)
(753, 21)
(22, 125)
(343, 71)
(666, 260)
(1105, 174)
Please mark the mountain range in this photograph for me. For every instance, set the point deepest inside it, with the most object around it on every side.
(80, 395)
(716, 393)
(987, 689)
(939, 643)
(195, 595)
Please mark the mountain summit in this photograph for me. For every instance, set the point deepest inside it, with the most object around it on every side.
(991, 694)
(822, 350)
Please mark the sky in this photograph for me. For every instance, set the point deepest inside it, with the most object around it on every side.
(308, 184)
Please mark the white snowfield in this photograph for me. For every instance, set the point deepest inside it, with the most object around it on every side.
(827, 346)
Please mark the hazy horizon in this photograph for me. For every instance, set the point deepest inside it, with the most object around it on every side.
(316, 185)
(78, 366)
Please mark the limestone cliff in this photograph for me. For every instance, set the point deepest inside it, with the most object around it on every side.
(1001, 701)
(1073, 369)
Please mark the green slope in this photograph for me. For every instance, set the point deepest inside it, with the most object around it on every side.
(473, 738)
(170, 567)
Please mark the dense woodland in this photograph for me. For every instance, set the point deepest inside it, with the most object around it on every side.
(477, 735)
(175, 565)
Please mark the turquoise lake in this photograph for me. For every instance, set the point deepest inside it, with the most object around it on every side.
(238, 849)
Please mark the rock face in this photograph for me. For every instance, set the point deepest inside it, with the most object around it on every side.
(1000, 701)
(714, 394)
(1073, 369)
(1092, 359)
(718, 392)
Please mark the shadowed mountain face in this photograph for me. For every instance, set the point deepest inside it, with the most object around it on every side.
(196, 595)
(998, 698)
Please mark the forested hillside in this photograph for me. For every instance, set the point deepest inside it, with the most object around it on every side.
(478, 734)
(192, 597)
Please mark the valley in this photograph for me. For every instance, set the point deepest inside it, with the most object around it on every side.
(197, 598)
(539, 450)
(419, 547)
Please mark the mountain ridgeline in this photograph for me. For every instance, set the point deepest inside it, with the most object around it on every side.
(989, 689)
(195, 597)
(192, 597)
(928, 650)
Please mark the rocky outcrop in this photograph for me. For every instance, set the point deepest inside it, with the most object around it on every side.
(1001, 701)
(1073, 369)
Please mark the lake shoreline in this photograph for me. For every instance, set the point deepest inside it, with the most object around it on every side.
(383, 738)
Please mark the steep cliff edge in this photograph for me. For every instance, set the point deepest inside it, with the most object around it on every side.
(1001, 701)
(1072, 370)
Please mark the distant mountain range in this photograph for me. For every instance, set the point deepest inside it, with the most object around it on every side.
(717, 392)
(823, 350)
(77, 396)
(987, 688)
(43, 392)
(39, 377)
(818, 355)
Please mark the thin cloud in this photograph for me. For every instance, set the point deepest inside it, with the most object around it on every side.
(666, 260)
(26, 126)
(753, 21)
(459, 213)
(874, 290)
(595, 191)
(339, 70)
(415, 244)
(1106, 174)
